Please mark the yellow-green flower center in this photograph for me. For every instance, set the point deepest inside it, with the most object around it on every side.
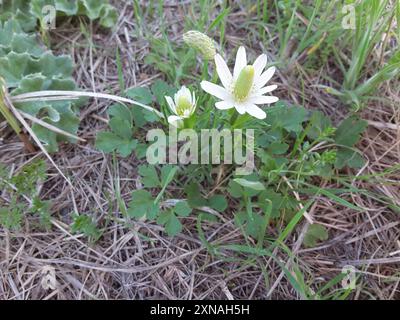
(244, 83)
(183, 106)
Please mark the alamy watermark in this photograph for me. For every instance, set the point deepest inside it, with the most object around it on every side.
(48, 14)
(210, 146)
(349, 279)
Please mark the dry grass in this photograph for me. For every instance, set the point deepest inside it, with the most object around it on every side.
(125, 265)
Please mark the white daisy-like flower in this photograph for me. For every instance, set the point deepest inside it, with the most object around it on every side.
(246, 88)
(182, 106)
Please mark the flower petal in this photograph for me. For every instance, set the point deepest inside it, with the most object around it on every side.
(255, 111)
(266, 89)
(223, 71)
(240, 107)
(194, 100)
(171, 104)
(240, 63)
(175, 121)
(263, 99)
(223, 105)
(215, 90)
(264, 77)
(259, 65)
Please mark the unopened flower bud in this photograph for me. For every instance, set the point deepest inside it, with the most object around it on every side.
(200, 42)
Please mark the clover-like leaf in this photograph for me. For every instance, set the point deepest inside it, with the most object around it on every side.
(346, 136)
(142, 205)
(161, 89)
(109, 142)
(149, 176)
(218, 202)
(140, 115)
(171, 223)
(182, 209)
(287, 117)
(120, 139)
(193, 195)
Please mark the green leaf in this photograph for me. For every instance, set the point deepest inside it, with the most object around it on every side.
(142, 205)
(238, 191)
(161, 89)
(347, 135)
(280, 203)
(349, 131)
(11, 217)
(140, 94)
(278, 147)
(167, 174)
(218, 202)
(318, 124)
(182, 209)
(349, 158)
(109, 142)
(286, 117)
(121, 138)
(121, 112)
(193, 195)
(255, 185)
(315, 233)
(108, 16)
(121, 127)
(171, 223)
(140, 150)
(85, 224)
(149, 176)
(251, 224)
(140, 115)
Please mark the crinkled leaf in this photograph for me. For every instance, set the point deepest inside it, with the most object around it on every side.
(286, 117)
(348, 157)
(319, 123)
(349, 131)
(315, 233)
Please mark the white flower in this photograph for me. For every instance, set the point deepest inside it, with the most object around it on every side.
(245, 89)
(183, 106)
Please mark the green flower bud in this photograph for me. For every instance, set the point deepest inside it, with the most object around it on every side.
(200, 42)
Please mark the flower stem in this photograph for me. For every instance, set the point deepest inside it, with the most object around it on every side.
(204, 74)
(234, 117)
